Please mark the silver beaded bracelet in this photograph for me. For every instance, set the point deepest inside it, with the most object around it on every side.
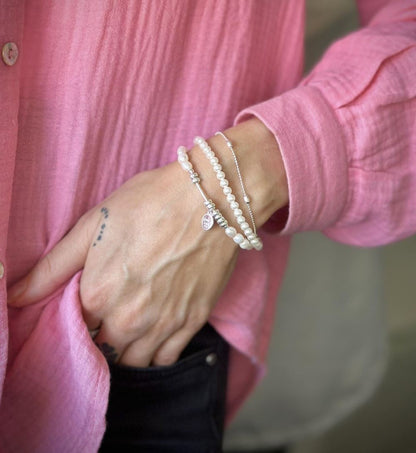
(251, 236)
(212, 213)
(243, 189)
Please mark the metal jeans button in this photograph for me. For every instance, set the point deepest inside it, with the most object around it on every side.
(211, 359)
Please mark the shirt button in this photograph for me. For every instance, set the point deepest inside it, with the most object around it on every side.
(9, 53)
(1, 270)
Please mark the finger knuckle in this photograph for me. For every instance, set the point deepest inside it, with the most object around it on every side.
(124, 324)
(197, 318)
(93, 298)
(133, 323)
(171, 323)
(165, 358)
(146, 320)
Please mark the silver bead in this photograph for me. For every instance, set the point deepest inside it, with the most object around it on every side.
(219, 218)
(210, 205)
(222, 222)
(246, 199)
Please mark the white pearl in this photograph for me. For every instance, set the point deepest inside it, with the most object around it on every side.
(237, 212)
(238, 238)
(186, 165)
(183, 158)
(251, 236)
(230, 197)
(234, 204)
(214, 160)
(217, 167)
(224, 183)
(198, 140)
(245, 226)
(209, 154)
(246, 245)
(240, 219)
(220, 175)
(181, 150)
(230, 232)
(227, 190)
(255, 241)
(258, 246)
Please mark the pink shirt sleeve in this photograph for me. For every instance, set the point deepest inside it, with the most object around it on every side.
(347, 133)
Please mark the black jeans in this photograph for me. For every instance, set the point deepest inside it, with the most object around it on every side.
(176, 409)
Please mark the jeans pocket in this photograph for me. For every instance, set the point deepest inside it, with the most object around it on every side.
(171, 408)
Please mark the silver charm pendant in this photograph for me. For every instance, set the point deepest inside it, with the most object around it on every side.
(207, 221)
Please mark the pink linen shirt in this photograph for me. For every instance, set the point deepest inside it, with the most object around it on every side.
(105, 89)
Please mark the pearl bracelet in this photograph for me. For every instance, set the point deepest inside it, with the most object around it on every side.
(245, 196)
(212, 213)
(252, 238)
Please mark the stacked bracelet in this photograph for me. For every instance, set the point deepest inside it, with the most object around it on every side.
(212, 212)
(243, 189)
(252, 240)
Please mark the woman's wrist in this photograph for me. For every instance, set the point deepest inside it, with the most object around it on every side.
(260, 164)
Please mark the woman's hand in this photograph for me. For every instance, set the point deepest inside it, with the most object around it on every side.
(151, 275)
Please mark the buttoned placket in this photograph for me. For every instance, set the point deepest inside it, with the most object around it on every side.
(11, 34)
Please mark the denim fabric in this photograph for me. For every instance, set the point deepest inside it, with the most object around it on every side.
(176, 409)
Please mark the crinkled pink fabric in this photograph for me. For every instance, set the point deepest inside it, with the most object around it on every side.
(105, 89)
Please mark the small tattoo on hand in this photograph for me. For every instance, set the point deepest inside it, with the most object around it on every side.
(108, 352)
(100, 235)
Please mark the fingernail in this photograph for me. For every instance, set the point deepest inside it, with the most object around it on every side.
(16, 291)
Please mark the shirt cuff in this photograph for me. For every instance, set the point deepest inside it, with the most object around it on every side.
(314, 155)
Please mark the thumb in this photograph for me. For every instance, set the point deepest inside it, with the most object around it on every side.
(62, 262)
